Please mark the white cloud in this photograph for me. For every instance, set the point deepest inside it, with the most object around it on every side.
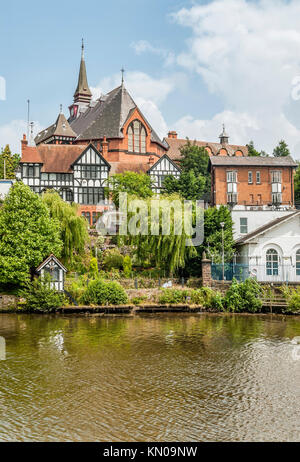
(143, 46)
(247, 53)
(12, 133)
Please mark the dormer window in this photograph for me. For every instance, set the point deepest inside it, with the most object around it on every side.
(137, 137)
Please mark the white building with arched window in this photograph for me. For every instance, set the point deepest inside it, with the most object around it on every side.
(272, 252)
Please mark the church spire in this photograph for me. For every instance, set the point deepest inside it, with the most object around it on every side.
(83, 93)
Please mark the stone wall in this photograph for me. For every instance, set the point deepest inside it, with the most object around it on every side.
(7, 302)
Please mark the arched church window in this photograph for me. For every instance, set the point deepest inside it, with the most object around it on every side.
(272, 261)
(137, 137)
(143, 140)
(130, 139)
(298, 262)
(136, 133)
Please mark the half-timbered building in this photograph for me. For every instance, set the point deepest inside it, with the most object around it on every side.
(163, 168)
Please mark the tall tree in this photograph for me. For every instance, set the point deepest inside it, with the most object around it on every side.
(165, 250)
(212, 244)
(132, 183)
(8, 163)
(73, 227)
(281, 150)
(194, 181)
(297, 185)
(27, 234)
(253, 152)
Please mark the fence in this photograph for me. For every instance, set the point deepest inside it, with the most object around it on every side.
(231, 270)
(276, 274)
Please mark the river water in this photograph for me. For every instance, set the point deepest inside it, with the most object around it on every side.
(150, 378)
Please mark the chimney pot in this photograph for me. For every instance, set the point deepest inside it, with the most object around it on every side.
(172, 134)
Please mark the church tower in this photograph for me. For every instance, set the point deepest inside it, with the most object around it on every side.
(82, 95)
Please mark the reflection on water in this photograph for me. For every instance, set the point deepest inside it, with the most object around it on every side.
(155, 378)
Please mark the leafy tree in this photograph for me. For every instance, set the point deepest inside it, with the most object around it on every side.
(281, 150)
(194, 181)
(253, 152)
(138, 184)
(73, 228)
(188, 185)
(212, 244)
(10, 161)
(27, 234)
(297, 185)
(166, 250)
(213, 217)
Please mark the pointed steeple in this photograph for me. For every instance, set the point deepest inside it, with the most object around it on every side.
(82, 93)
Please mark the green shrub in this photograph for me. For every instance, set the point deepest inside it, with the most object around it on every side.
(197, 297)
(40, 297)
(211, 299)
(113, 260)
(127, 266)
(101, 292)
(173, 296)
(244, 296)
(93, 271)
(138, 300)
(292, 297)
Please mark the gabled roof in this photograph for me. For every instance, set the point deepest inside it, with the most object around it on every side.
(176, 143)
(60, 128)
(56, 158)
(266, 227)
(107, 117)
(91, 146)
(250, 161)
(48, 259)
(165, 156)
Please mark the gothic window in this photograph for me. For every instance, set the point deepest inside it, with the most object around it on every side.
(137, 137)
(298, 262)
(143, 140)
(130, 139)
(272, 261)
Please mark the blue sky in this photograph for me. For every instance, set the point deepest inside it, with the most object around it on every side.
(190, 65)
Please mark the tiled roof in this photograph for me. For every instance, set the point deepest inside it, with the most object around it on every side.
(107, 117)
(60, 128)
(266, 227)
(253, 161)
(176, 143)
(121, 167)
(56, 158)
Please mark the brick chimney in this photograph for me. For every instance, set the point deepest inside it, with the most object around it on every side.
(172, 134)
(104, 147)
(24, 142)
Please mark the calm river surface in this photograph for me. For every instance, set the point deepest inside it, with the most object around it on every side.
(152, 378)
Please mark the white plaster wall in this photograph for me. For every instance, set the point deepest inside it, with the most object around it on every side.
(256, 218)
(5, 186)
(285, 238)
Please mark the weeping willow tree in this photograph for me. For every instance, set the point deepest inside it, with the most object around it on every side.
(156, 231)
(73, 227)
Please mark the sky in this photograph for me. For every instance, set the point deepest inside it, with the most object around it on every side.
(189, 65)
